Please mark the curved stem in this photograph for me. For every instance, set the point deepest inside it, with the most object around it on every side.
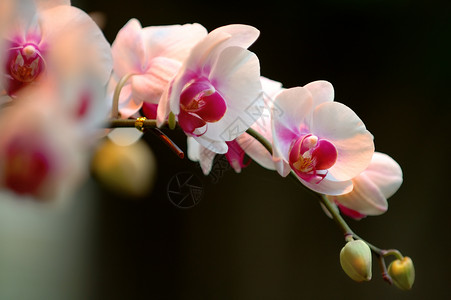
(260, 139)
(117, 92)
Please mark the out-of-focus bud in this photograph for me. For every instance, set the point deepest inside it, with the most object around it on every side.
(402, 273)
(355, 259)
(127, 170)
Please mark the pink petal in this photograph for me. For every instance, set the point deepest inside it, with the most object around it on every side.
(350, 212)
(235, 156)
(128, 105)
(325, 155)
(128, 49)
(150, 86)
(190, 122)
(339, 125)
(150, 110)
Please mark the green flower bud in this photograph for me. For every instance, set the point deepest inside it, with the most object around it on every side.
(355, 259)
(402, 273)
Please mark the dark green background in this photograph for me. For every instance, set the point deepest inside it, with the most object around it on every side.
(256, 235)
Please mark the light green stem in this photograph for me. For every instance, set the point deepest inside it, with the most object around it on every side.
(117, 92)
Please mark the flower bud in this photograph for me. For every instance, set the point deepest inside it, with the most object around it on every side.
(355, 259)
(402, 273)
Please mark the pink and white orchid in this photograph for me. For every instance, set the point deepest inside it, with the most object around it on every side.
(243, 144)
(217, 86)
(53, 37)
(380, 180)
(153, 55)
(324, 142)
(41, 154)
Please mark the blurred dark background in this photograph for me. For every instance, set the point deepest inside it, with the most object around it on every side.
(256, 235)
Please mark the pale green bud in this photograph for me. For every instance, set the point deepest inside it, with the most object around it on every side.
(402, 273)
(355, 259)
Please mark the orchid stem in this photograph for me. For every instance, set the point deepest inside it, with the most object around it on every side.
(117, 92)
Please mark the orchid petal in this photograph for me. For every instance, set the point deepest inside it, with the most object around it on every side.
(236, 77)
(339, 125)
(150, 86)
(128, 49)
(256, 151)
(366, 197)
(71, 31)
(385, 172)
(295, 108)
(173, 41)
(322, 92)
(128, 105)
(219, 147)
(207, 50)
(329, 187)
(46, 4)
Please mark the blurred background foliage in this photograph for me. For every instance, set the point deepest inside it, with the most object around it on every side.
(256, 235)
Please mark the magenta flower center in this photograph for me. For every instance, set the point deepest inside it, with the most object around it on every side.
(200, 103)
(27, 167)
(310, 157)
(24, 64)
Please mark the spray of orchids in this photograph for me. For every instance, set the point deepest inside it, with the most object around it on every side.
(208, 84)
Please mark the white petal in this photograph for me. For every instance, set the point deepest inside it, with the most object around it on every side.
(219, 147)
(385, 172)
(270, 87)
(329, 187)
(206, 51)
(341, 126)
(174, 41)
(236, 76)
(366, 198)
(128, 49)
(76, 44)
(322, 91)
(295, 107)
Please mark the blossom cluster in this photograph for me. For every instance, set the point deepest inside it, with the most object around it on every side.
(62, 82)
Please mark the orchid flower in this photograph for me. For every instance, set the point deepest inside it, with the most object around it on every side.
(153, 55)
(380, 180)
(40, 151)
(324, 142)
(52, 37)
(216, 88)
(243, 144)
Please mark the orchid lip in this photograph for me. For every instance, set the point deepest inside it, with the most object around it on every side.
(311, 157)
(200, 104)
